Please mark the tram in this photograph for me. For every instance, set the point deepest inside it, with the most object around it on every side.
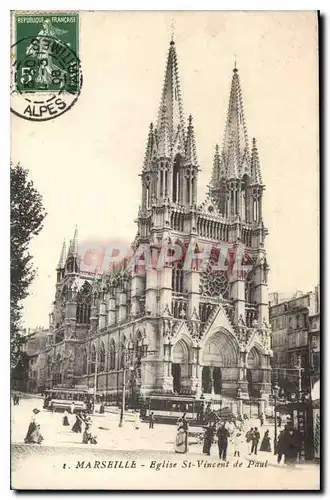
(61, 399)
(170, 408)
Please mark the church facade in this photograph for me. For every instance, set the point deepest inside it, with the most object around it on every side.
(175, 328)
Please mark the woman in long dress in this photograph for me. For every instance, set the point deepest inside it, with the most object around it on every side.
(65, 419)
(33, 434)
(88, 436)
(77, 425)
(181, 440)
(265, 443)
(137, 420)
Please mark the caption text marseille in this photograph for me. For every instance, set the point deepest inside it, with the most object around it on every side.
(167, 464)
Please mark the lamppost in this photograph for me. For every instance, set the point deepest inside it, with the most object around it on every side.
(275, 394)
(238, 396)
(129, 351)
(95, 373)
(128, 358)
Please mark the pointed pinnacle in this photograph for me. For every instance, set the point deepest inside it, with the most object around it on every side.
(149, 148)
(255, 163)
(171, 100)
(61, 262)
(74, 242)
(190, 145)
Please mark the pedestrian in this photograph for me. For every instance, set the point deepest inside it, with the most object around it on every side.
(265, 443)
(262, 419)
(291, 446)
(65, 421)
(200, 414)
(137, 421)
(279, 420)
(248, 435)
(101, 408)
(88, 436)
(208, 438)
(151, 420)
(281, 443)
(72, 408)
(255, 441)
(237, 439)
(78, 423)
(181, 439)
(222, 435)
(33, 434)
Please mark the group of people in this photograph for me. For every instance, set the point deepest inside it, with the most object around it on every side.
(82, 418)
(253, 437)
(222, 433)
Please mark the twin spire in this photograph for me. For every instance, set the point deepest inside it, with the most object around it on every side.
(170, 138)
(234, 161)
(72, 251)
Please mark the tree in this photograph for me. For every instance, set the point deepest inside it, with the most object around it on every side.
(26, 217)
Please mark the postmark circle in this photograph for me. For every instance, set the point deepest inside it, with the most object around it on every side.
(46, 78)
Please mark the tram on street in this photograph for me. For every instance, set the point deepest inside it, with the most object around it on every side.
(170, 408)
(61, 399)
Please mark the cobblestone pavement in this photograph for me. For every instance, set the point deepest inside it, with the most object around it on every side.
(45, 463)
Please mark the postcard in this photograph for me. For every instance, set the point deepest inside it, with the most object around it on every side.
(164, 202)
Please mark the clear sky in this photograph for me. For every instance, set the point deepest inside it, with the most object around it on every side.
(86, 162)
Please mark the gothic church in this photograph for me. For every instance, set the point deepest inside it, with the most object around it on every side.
(175, 330)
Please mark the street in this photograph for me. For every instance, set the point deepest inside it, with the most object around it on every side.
(145, 459)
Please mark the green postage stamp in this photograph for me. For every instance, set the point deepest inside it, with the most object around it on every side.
(46, 70)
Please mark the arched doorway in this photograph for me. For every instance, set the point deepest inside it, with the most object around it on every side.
(220, 366)
(206, 380)
(217, 380)
(176, 374)
(181, 369)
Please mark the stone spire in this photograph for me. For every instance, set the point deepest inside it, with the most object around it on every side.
(235, 131)
(61, 262)
(150, 149)
(73, 249)
(171, 108)
(255, 164)
(190, 145)
(216, 171)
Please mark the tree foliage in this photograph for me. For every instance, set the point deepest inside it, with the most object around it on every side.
(26, 221)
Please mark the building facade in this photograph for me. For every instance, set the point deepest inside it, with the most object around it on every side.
(175, 328)
(314, 336)
(294, 343)
(36, 343)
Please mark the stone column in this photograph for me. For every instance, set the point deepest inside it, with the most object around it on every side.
(122, 313)
(261, 291)
(165, 287)
(102, 315)
(112, 310)
(242, 382)
(137, 291)
(151, 292)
